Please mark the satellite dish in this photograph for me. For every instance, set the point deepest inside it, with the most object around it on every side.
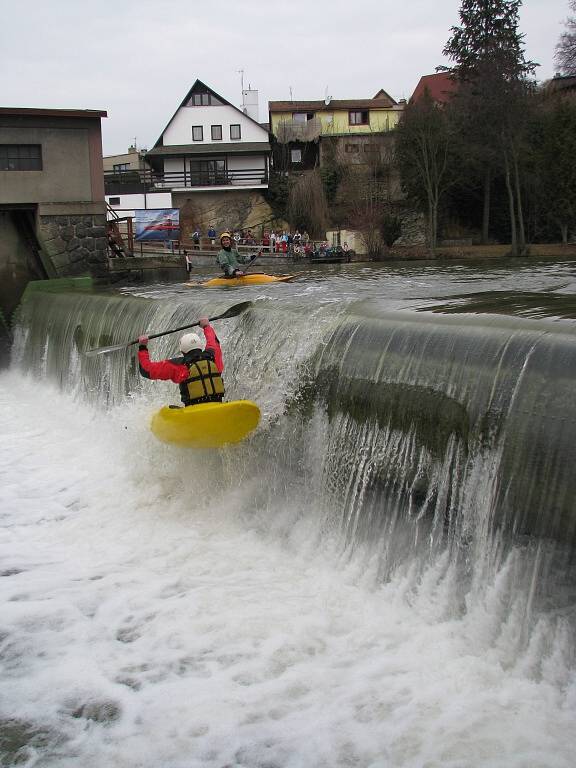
(327, 99)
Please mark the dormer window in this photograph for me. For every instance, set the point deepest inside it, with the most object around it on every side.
(200, 99)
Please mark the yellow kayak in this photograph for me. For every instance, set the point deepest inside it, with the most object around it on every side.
(253, 278)
(207, 425)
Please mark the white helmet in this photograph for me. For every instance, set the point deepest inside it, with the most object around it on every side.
(190, 341)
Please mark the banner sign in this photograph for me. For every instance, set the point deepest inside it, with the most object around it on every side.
(157, 224)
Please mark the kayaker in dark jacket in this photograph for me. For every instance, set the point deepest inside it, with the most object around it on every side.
(229, 258)
(198, 371)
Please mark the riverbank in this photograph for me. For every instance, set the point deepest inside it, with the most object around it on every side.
(454, 252)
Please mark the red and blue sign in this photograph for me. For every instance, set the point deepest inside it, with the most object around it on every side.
(157, 224)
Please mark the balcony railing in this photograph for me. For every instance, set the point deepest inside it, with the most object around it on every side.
(132, 182)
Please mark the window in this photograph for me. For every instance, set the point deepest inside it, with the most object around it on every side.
(358, 118)
(120, 167)
(201, 100)
(20, 157)
(197, 133)
(114, 201)
(302, 117)
(235, 131)
(296, 155)
(370, 148)
(351, 148)
(216, 133)
(206, 172)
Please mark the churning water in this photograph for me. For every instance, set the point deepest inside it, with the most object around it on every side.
(382, 576)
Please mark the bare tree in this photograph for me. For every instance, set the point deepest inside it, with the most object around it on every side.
(307, 209)
(566, 48)
(424, 147)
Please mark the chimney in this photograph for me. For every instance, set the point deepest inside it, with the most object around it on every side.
(250, 103)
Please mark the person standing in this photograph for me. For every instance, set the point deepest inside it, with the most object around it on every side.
(198, 371)
(212, 234)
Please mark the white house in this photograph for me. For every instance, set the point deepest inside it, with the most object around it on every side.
(211, 161)
(210, 144)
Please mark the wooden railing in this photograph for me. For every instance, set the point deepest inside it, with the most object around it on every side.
(130, 182)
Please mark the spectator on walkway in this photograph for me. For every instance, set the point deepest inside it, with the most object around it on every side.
(196, 239)
(188, 258)
(212, 234)
(116, 250)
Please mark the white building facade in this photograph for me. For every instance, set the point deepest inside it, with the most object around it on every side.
(210, 144)
(212, 161)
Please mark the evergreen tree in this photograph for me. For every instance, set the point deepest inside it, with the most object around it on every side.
(554, 158)
(490, 106)
(488, 42)
(566, 48)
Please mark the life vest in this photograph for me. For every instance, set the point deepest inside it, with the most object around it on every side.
(204, 383)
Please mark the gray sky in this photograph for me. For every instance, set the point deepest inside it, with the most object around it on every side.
(137, 58)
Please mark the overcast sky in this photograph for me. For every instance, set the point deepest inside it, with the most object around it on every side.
(137, 59)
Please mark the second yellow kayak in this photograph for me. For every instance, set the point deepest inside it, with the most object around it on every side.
(253, 278)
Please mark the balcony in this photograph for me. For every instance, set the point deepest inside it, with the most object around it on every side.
(295, 130)
(135, 182)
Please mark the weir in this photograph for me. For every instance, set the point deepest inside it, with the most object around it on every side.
(433, 400)
(394, 544)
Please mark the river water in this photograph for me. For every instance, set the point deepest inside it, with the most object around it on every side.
(382, 576)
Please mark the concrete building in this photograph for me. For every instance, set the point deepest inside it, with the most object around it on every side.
(52, 208)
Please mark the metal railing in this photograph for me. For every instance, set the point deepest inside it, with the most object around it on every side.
(130, 182)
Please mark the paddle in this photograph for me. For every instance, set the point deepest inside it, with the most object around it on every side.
(252, 260)
(232, 312)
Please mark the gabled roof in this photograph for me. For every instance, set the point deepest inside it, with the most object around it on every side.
(381, 100)
(187, 98)
(441, 87)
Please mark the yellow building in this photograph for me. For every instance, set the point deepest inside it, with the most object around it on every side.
(299, 127)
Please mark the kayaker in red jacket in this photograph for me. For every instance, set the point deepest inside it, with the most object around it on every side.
(198, 371)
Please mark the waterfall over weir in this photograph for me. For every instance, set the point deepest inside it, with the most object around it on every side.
(430, 453)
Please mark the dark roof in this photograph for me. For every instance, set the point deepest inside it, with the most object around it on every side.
(380, 101)
(187, 97)
(441, 87)
(561, 83)
(52, 112)
(248, 147)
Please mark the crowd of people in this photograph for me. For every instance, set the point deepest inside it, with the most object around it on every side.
(271, 241)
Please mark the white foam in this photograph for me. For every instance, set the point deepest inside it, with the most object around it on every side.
(150, 624)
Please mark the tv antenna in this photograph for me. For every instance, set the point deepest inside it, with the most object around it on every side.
(290, 88)
(327, 98)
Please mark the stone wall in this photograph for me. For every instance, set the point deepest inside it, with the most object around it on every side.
(413, 229)
(242, 209)
(74, 239)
